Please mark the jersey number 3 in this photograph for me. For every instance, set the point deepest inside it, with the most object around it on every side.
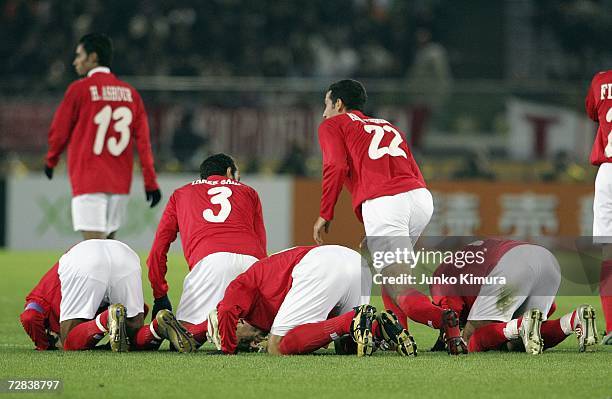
(219, 196)
(376, 151)
(123, 118)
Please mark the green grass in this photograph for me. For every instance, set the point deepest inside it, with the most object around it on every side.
(560, 372)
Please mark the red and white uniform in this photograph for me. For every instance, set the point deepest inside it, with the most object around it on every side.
(598, 104)
(298, 286)
(531, 274)
(222, 232)
(372, 158)
(99, 120)
(42, 309)
(369, 155)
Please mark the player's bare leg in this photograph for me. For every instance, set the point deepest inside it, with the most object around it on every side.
(67, 326)
(93, 235)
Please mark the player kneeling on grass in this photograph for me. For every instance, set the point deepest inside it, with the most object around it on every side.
(68, 299)
(521, 279)
(222, 231)
(304, 298)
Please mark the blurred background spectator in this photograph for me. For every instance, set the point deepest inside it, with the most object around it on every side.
(248, 77)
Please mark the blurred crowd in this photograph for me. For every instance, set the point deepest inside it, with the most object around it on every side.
(216, 37)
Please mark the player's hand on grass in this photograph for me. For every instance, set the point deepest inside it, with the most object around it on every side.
(49, 172)
(154, 196)
(160, 304)
(320, 226)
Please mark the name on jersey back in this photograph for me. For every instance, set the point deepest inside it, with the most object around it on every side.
(111, 93)
(216, 182)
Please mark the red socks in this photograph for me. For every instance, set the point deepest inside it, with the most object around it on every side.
(87, 335)
(198, 331)
(605, 292)
(552, 333)
(310, 337)
(418, 307)
(390, 305)
(489, 337)
(145, 339)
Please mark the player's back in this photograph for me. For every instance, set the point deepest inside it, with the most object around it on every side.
(598, 104)
(218, 214)
(380, 162)
(271, 279)
(109, 113)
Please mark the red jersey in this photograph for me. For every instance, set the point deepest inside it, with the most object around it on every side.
(369, 155)
(98, 120)
(478, 259)
(257, 294)
(215, 214)
(42, 309)
(598, 104)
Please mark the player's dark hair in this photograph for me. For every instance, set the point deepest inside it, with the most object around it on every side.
(351, 92)
(217, 165)
(100, 44)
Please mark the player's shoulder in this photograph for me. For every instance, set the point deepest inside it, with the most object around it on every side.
(602, 76)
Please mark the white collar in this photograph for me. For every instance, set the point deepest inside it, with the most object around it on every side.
(101, 69)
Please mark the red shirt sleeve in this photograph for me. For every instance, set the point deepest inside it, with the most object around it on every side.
(590, 102)
(260, 228)
(61, 128)
(33, 322)
(335, 166)
(236, 304)
(158, 256)
(143, 145)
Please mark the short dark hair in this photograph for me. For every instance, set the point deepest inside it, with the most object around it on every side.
(351, 92)
(217, 165)
(100, 44)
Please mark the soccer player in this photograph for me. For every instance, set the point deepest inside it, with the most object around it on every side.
(71, 299)
(372, 158)
(599, 108)
(499, 280)
(99, 120)
(222, 232)
(304, 297)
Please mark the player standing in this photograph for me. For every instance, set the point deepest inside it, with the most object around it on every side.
(372, 158)
(599, 108)
(98, 120)
(222, 232)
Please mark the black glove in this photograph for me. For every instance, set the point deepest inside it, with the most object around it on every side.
(49, 172)
(160, 304)
(153, 197)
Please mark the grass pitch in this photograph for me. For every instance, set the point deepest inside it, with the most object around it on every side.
(560, 372)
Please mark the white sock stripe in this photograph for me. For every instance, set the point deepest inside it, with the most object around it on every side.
(511, 329)
(565, 323)
(153, 332)
(99, 324)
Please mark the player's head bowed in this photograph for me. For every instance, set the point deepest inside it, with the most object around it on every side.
(219, 165)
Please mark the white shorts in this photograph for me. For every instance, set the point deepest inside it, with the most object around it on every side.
(205, 284)
(97, 271)
(99, 212)
(602, 205)
(329, 280)
(396, 221)
(532, 276)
